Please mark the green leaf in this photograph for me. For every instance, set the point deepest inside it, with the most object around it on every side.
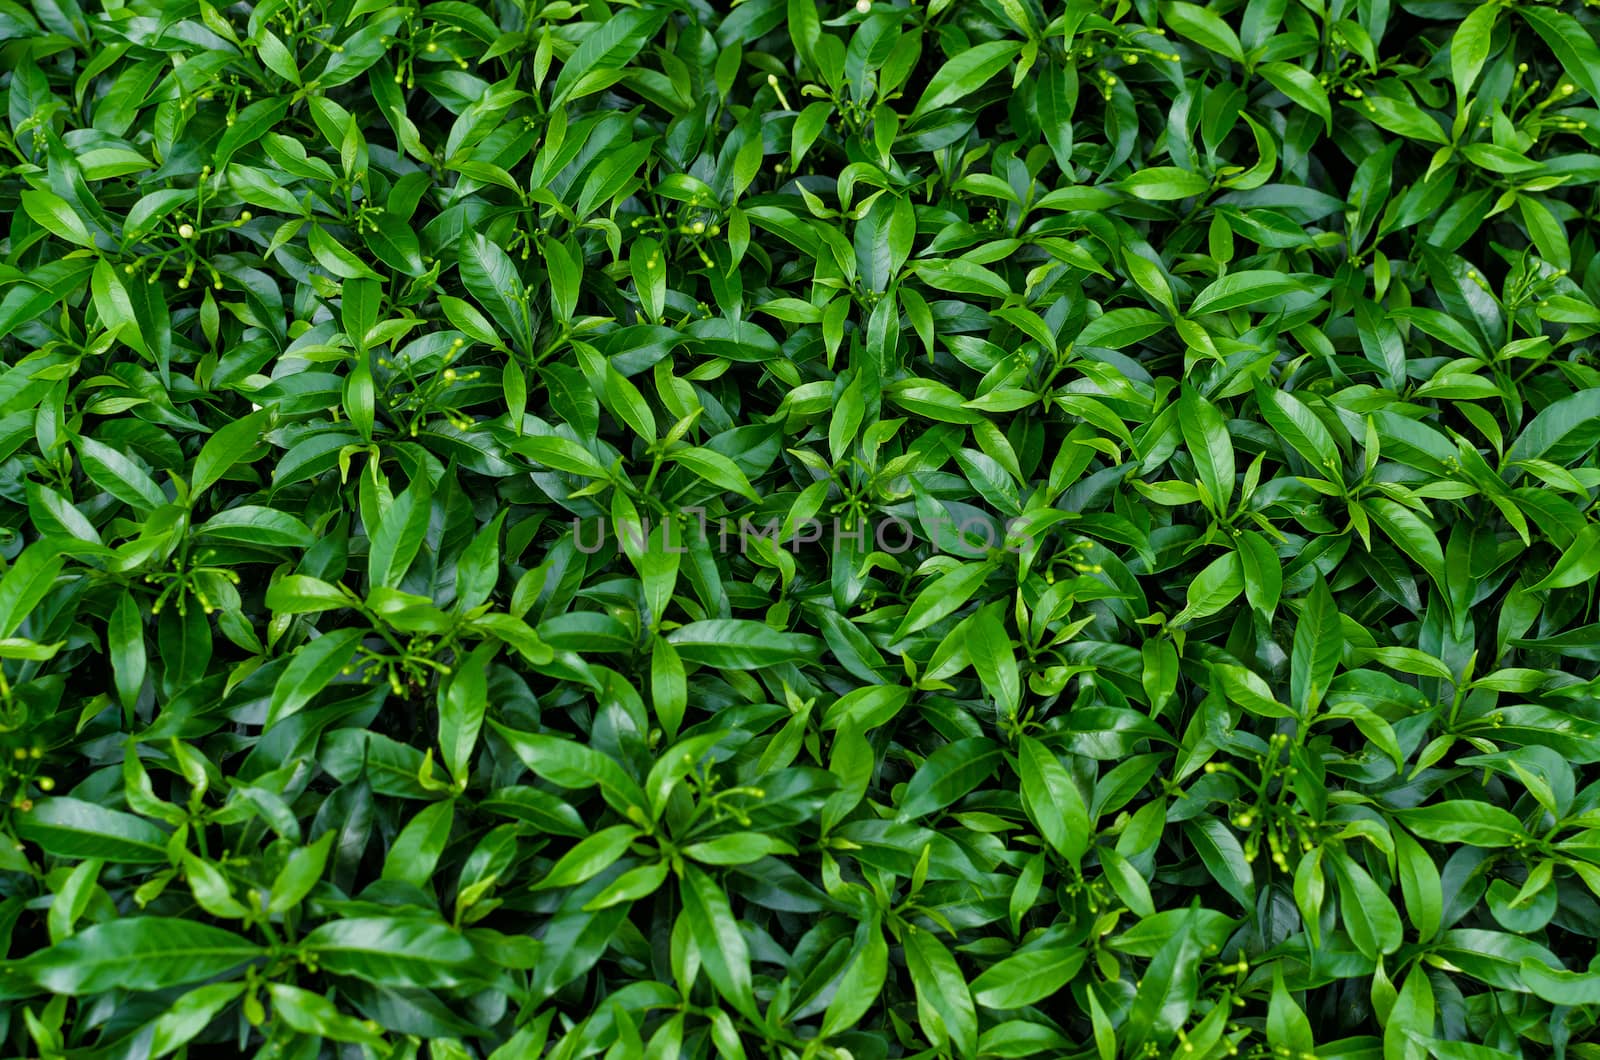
(1574, 48)
(491, 278)
(943, 597)
(1558, 986)
(1224, 858)
(1213, 589)
(1412, 1017)
(590, 857)
(966, 72)
(1241, 290)
(1404, 118)
(227, 447)
(137, 953)
(1167, 990)
(1200, 25)
(119, 476)
(1121, 328)
(560, 454)
(1420, 884)
(1244, 688)
(569, 764)
(312, 1014)
(947, 774)
(944, 1003)
(1414, 537)
(740, 848)
(1164, 183)
(738, 644)
(1318, 645)
(1262, 571)
(962, 277)
(190, 1015)
(313, 668)
(1365, 910)
(628, 405)
(1287, 1026)
(336, 257)
(399, 534)
(1205, 434)
(1300, 86)
(298, 594)
(638, 882)
(254, 524)
(72, 828)
(861, 983)
(718, 939)
(715, 469)
(125, 643)
(1027, 977)
(565, 271)
(1469, 47)
(1462, 821)
(994, 658)
(1052, 801)
(867, 707)
(396, 951)
(1556, 424)
(605, 48)
(1578, 564)
(54, 214)
(31, 575)
(301, 871)
(462, 705)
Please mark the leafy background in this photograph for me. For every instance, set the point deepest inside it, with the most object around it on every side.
(1229, 366)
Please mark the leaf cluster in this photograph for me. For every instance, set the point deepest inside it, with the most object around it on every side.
(827, 531)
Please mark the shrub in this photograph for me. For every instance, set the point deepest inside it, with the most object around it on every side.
(966, 528)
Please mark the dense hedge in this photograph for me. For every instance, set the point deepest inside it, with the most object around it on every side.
(956, 528)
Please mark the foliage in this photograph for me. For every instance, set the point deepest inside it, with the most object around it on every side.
(1174, 431)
